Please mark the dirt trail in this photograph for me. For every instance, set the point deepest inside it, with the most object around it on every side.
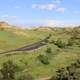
(30, 47)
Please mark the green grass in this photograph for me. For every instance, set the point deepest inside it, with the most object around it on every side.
(28, 60)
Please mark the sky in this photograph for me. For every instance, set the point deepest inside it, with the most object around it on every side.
(40, 12)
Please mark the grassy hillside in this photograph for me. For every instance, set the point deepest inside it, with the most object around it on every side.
(29, 62)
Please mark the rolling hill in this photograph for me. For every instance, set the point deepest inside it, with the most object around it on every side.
(61, 50)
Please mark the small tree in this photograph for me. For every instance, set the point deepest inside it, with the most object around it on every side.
(49, 50)
(60, 44)
(8, 70)
(43, 59)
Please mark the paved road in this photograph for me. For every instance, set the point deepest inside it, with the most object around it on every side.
(33, 46)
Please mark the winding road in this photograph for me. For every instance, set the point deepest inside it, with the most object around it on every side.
(30, 47)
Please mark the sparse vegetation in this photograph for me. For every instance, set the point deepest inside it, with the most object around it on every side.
(48, 50)
(43, 59)
(8, 71)
(68, 73)
(60, 44)
(41, 62)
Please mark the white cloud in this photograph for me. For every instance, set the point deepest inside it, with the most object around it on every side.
(48, 22)
(53, 22)
(8, 17)
(51, 6)
(62, 10)
(44, 6)
(57, 23)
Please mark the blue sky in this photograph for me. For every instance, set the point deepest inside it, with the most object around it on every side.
(40, 12)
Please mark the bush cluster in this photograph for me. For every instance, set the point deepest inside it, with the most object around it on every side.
(71, 72)
(43, 59)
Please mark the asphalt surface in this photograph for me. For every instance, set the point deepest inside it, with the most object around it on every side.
(30, 47)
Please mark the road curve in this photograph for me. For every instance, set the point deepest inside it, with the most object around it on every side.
(30, 47)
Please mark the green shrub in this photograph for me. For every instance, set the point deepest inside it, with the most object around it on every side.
(73, 41)
(60, 44)
(8, 70)
(43, 59)
(48, 50)
(71, 72)
(70, 42)
(52, 42)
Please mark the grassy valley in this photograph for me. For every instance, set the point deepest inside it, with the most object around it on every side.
(61, 50)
